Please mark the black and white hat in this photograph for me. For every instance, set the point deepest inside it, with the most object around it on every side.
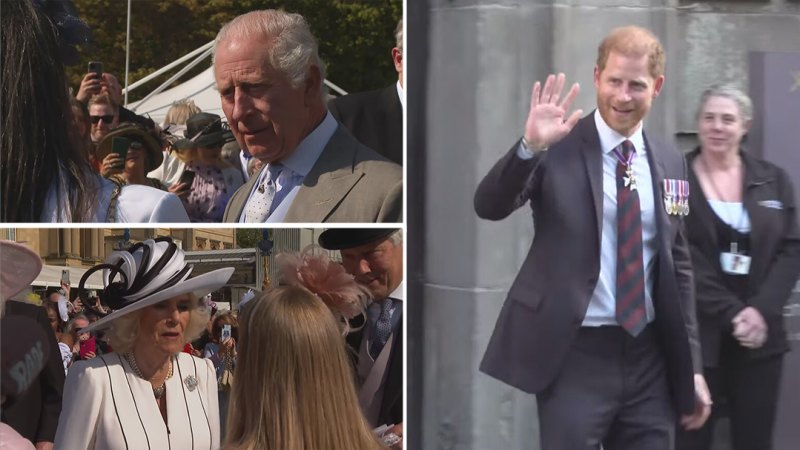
(147, 273)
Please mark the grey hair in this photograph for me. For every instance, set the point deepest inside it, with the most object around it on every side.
(731, 92)
(396, 237)
(71, 325)
(291, 47)
(124, 332)
(398, 35)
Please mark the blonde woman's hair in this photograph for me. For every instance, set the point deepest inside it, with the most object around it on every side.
(180, 111)
(124, 331)
(295, 387)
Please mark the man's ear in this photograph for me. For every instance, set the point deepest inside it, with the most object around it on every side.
(658, 85)
(313, 84)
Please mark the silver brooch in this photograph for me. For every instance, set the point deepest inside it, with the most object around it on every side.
(190, 382)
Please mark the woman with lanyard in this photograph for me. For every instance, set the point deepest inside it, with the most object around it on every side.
(745, 247)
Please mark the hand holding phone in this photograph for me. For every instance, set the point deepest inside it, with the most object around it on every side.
(96, 67)
(120, 145)
(88, 348)
(226, 332)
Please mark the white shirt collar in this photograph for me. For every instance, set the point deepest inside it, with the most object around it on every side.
(611, 139)
(303, 158)
(399, 292)
(402, 94)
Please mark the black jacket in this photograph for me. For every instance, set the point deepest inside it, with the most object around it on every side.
(34, 415)
(768, 197)
(375, 118)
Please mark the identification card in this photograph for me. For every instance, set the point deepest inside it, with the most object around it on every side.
(734, 263)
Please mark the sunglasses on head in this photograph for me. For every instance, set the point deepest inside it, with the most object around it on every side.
(106, 119)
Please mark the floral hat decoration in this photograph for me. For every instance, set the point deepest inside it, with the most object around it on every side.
(327, 280)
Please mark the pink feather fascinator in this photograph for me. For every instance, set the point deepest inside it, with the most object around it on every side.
(325, 278)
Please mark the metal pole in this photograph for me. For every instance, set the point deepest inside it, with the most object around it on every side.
(127, 51)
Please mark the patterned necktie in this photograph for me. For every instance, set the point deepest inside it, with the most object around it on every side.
(383, 328)
(259, 205)
(630, 308)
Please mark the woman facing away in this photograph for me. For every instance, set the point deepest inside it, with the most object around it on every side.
(745, 245)
(294, 386)
(45, 171)
(147, 393)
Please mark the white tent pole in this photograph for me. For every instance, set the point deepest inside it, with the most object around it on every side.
(169, 66)
(336, 88)
(127, 51)
(175, 77)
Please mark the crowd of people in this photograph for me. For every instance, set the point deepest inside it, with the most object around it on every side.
(315, 362)
(285, 158)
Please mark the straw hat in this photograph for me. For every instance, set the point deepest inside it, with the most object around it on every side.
(134, 132)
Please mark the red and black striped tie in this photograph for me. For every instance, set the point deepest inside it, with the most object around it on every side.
(630, 310)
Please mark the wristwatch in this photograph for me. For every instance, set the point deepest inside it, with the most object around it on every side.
(530, 148)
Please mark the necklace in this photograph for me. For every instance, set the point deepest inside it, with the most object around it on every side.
(157, 392)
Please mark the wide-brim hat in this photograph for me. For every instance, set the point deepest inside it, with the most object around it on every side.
(341, 238)
(136, 133)
(205, 130)
(150, 272)
(19, 266)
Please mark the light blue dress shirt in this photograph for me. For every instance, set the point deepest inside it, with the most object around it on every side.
(296, 167)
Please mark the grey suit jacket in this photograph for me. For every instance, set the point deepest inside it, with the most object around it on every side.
(550, 295)
(348, 183)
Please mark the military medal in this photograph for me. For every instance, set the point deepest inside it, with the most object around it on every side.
(669, 193)
(630, 178)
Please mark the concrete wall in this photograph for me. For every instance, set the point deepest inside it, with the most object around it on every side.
(479, 61)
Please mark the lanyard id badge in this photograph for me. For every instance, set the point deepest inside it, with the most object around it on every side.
(734, 263)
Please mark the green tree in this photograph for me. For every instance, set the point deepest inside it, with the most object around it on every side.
(248, 237)
(355, 37)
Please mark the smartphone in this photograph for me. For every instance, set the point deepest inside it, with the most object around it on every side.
(88, 346)
(226, 332)
(119, 145)
(187, 177)
(97, 68)
(65, 276)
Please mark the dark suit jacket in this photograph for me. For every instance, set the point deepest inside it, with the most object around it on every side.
(775, 265)
(550, 295)
(375, 118)
(34, 415)
(348, 183)
(392, 405)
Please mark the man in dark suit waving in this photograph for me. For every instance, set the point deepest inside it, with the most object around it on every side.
(600, 321)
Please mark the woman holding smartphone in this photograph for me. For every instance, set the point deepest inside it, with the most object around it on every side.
(222, 353)
(138, 153)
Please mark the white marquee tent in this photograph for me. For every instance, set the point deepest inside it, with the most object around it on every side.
(200, 89)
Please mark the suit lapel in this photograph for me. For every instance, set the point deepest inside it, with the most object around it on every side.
(329, 181)
(657, 173)
(593, 161)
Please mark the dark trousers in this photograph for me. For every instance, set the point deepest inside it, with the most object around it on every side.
(612, 391)
(749, 388)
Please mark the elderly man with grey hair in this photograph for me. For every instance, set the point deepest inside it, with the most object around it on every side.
(270, 80)
(376, 117)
